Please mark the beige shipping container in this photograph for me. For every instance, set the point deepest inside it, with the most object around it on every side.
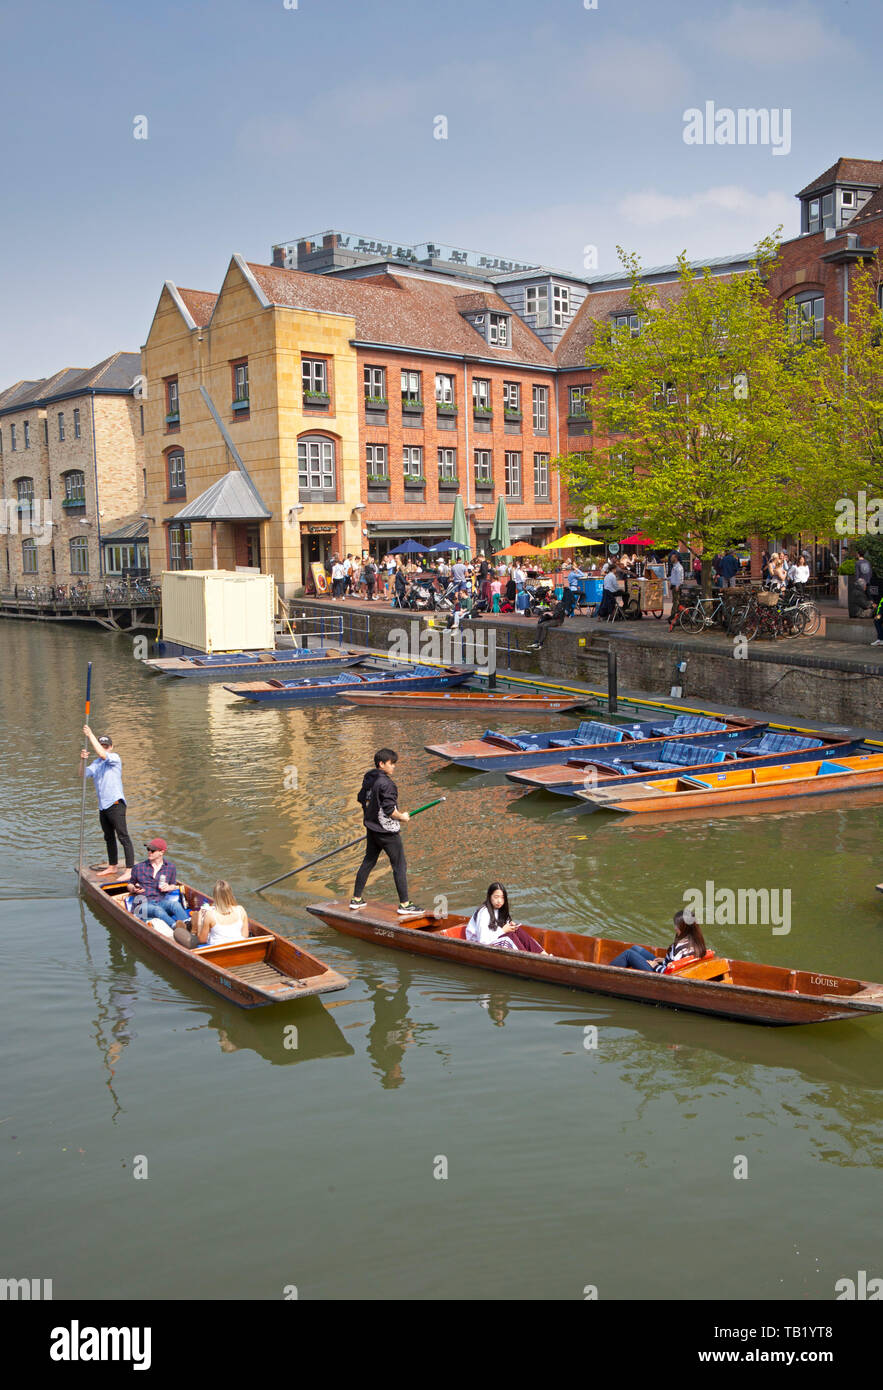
(219, 610)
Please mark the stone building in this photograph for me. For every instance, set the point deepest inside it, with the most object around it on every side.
(72, 472)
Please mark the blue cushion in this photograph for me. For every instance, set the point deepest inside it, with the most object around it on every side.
(692, 724)
(689, 754)
(826, 767)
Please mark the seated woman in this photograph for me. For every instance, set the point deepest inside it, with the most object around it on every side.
(689, 943)
(219, 923)
(492, 925)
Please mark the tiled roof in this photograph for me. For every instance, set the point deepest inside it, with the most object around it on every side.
(402, 311)
(872, 208)
(115, 373)
(19, 394)
(847, 171)
(595, 312)
(199, 303)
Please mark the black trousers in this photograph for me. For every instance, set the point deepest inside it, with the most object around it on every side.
(390, 844)
(545, 622)
(113, 824)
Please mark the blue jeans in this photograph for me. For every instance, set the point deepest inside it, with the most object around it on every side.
(167, 909)
(636, 958)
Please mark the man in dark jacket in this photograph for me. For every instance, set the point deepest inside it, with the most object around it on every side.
(378, 798)
(553, 618)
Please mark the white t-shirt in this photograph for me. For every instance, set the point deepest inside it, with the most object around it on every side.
(798, 574)
(611, 583)
(519, 575)
(338, 571)
(676, 577)
(480, 930)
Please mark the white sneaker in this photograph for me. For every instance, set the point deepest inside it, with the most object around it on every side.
(878, 643)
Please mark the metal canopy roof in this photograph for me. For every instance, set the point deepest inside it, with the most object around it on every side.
(229, 499)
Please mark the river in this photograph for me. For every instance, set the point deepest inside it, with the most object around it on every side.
(436, 1132)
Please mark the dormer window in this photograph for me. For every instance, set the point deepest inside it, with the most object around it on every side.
(498, 330)
(560, 304)
(627, 321)
(536, 302)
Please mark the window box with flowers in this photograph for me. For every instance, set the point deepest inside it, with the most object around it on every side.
(445, 408)
(449, 484)
(173, 420)
(512, 415)
(316, 400)
(376, 403)
(241, 407)
(414, 482)
(482, 412)
(73, 504)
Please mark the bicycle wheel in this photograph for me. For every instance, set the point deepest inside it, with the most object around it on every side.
(654, 612)
(811, 619)
(692, 619)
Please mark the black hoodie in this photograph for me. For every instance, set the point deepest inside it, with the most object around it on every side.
(379, 797)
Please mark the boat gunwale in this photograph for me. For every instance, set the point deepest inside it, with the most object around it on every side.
(220, 980)
(332, 913)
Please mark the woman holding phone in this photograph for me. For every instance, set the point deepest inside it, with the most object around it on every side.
(492, 925)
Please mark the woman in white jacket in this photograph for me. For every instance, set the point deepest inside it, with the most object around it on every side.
(492, 925)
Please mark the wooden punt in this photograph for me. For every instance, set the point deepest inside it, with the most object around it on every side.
(497, 752)
(741, 785)
(581, 774)
(265, 969)
(283, 692)
(456, 702)
(301, 662)
(735, 989)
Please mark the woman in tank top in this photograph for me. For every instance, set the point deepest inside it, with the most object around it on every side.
(224, 920)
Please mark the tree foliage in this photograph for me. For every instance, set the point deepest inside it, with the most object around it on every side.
(701, 418)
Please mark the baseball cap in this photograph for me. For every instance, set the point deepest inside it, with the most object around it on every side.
(105, 740)
(158, 844)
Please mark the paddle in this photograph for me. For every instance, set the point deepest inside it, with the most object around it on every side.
(83, 802)
(349, 844)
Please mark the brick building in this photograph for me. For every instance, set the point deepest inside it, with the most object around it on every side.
(295, 415)
(72, 472)
(342, 397)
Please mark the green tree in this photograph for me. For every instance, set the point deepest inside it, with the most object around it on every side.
(701, 411)
(851, 449)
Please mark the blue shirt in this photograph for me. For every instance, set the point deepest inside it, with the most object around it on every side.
(575, 576)
(108, 776)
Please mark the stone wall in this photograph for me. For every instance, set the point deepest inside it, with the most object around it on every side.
(790, 687)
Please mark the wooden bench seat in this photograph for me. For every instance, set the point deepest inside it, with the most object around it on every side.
(718, 968)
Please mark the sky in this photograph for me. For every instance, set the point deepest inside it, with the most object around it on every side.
(271, 119)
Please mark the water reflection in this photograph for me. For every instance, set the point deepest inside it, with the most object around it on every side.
(393, 1030)
(283, 1035)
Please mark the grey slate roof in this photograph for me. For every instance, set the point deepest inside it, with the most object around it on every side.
(129, 531)
(114, 373)
(229, 499)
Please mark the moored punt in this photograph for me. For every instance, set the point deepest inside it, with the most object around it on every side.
(740, 785)
(265, 969)
(316, 688)
(729, 988)
(677, 756)
(306, 661)
(456, 702)
(496, 752)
